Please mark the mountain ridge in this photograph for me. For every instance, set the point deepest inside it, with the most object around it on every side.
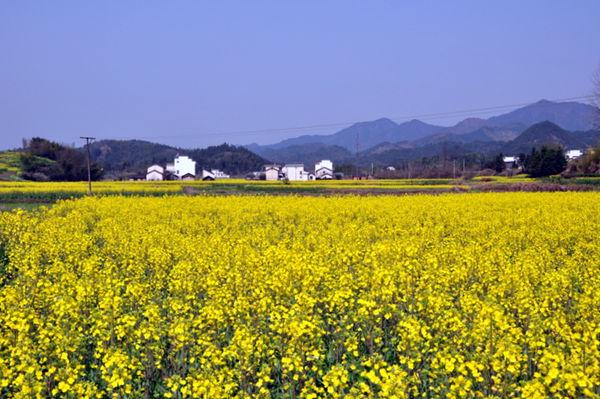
(504, 127)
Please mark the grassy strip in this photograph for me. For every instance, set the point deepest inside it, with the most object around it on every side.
(28, 206)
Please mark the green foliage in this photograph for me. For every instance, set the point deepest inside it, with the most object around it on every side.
(588, 164)
(229, 158)
(44, 160)
(499, 165)
(545, 162)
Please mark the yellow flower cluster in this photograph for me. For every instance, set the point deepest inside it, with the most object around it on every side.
(455, 296)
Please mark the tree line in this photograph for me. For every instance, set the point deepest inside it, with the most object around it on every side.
(45, 160)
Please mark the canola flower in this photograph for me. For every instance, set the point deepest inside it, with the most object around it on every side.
(451, 296)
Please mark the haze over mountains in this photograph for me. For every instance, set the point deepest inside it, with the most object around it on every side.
(383, 140)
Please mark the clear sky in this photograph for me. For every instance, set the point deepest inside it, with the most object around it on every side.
(193, 73)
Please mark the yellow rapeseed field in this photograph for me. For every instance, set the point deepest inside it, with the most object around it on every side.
(451, 296)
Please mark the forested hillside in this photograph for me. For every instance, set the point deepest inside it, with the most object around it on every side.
(44, 160)
(130, 158)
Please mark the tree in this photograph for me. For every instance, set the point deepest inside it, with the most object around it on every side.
(47, 160)
(496, 163)
(588, 164)
(499, 165)
(545, 162)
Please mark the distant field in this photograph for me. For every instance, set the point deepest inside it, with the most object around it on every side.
(29, 192)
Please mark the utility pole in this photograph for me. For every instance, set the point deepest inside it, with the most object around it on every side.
(88, 140)
(454, 168)
(356, 156)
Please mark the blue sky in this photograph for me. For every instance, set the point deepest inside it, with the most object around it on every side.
(194, 73)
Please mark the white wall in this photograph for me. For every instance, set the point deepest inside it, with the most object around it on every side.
(295, 172)
(183, 165)
(154, 175)
(326, 163)
(272, 174)
(574, 154)
(324, 169)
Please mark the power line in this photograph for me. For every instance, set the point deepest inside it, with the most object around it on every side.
(427, 116)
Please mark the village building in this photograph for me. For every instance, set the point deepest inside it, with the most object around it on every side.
(510, 162)
(155, 173)
(219, 174)
(324, 170)
(214, 174)
(272, 172)
(182, 166)
(188, 176)
(573, 154)
(296, 172)
(207, 175)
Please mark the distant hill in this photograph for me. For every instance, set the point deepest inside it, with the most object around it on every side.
(395, 154)
(308, 154)
(120, 158)
(488, 133)
(369, 134)
(466, 126)
(45, 160)
(482, 134)
(543, 133)
(548, 133)
(568, 115)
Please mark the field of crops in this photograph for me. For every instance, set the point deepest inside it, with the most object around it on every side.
(15, 191)
(52, 191)
(456, 296)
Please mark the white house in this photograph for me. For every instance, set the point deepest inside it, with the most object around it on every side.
(207, 175)
(219, 174)
(155, 172)
(309, 176)
(271, 172)
(391, 168)
(573, 154)
(213, 174)
(295, 171)
(324, 169)
(182, 166)
(510, 162)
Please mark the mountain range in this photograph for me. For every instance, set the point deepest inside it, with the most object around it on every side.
(382, 142)
(384, 139)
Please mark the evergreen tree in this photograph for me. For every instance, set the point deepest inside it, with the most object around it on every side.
(499, 165)
(545, 162)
